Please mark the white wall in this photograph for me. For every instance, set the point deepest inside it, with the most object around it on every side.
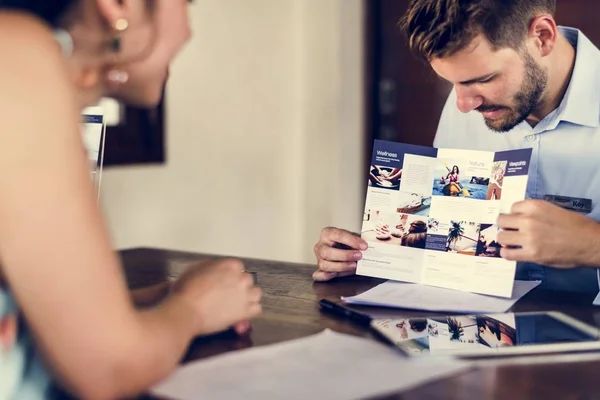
(264, 130)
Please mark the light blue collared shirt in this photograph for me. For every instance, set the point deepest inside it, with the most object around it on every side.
(565, 156)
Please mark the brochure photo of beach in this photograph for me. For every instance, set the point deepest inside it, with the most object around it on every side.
(463, 237)
(461, 178)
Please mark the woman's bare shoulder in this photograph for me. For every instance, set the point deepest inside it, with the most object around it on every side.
(28, 48)
(18, 28)
(33, 72)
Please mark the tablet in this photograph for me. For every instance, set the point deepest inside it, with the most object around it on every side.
(489, 334)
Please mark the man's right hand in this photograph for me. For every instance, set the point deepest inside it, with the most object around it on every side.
(337, 252)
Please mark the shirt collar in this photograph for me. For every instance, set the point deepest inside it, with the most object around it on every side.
(581, 102)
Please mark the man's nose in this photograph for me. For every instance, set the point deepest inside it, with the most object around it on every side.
(467, 100)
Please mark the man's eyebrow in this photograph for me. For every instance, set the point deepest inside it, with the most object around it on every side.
(477, 79)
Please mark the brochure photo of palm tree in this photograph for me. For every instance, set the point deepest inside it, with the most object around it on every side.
(463, 237)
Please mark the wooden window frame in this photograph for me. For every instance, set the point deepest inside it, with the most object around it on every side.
(138, 139)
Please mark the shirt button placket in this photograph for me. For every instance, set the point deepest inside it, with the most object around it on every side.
(532, 140)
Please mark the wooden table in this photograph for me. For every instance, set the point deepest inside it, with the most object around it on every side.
(291, 311)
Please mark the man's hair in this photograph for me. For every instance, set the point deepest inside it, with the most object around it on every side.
(441, 28)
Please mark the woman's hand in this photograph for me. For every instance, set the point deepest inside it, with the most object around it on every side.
(219, 295)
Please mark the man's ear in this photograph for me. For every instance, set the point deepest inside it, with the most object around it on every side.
(543, 33)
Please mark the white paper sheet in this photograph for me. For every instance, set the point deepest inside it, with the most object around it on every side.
(430, 298)
(327, 365)
(597, 300)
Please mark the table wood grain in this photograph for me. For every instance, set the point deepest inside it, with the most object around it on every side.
(290, 300)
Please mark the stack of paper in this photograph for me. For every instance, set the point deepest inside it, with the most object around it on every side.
(327, 365)
(423, 297)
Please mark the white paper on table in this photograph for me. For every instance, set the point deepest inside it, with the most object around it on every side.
(597, 300)
(326, 365)
(430, 298)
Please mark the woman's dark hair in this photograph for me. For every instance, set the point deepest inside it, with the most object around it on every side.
(417, 227)
(50, 11)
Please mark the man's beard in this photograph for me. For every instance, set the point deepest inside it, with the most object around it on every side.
(526, 101)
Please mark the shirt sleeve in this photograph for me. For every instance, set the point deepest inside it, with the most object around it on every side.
(443, 136)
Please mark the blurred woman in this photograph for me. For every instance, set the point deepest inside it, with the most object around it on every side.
(58, 272)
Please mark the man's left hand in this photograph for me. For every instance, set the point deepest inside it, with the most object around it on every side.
(538, 231)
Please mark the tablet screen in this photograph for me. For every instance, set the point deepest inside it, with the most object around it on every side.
(456, 334)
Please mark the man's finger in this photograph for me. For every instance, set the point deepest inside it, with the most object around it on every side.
(242, 328)
(514, 254)
(331, 236)
(347, 273)
(510, 238)
(508, 221)
(322, 276)
(528, 207)
(254, 294)
(330, 266)
(333, 254)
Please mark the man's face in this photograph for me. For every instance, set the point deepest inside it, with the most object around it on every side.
(505, 86)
